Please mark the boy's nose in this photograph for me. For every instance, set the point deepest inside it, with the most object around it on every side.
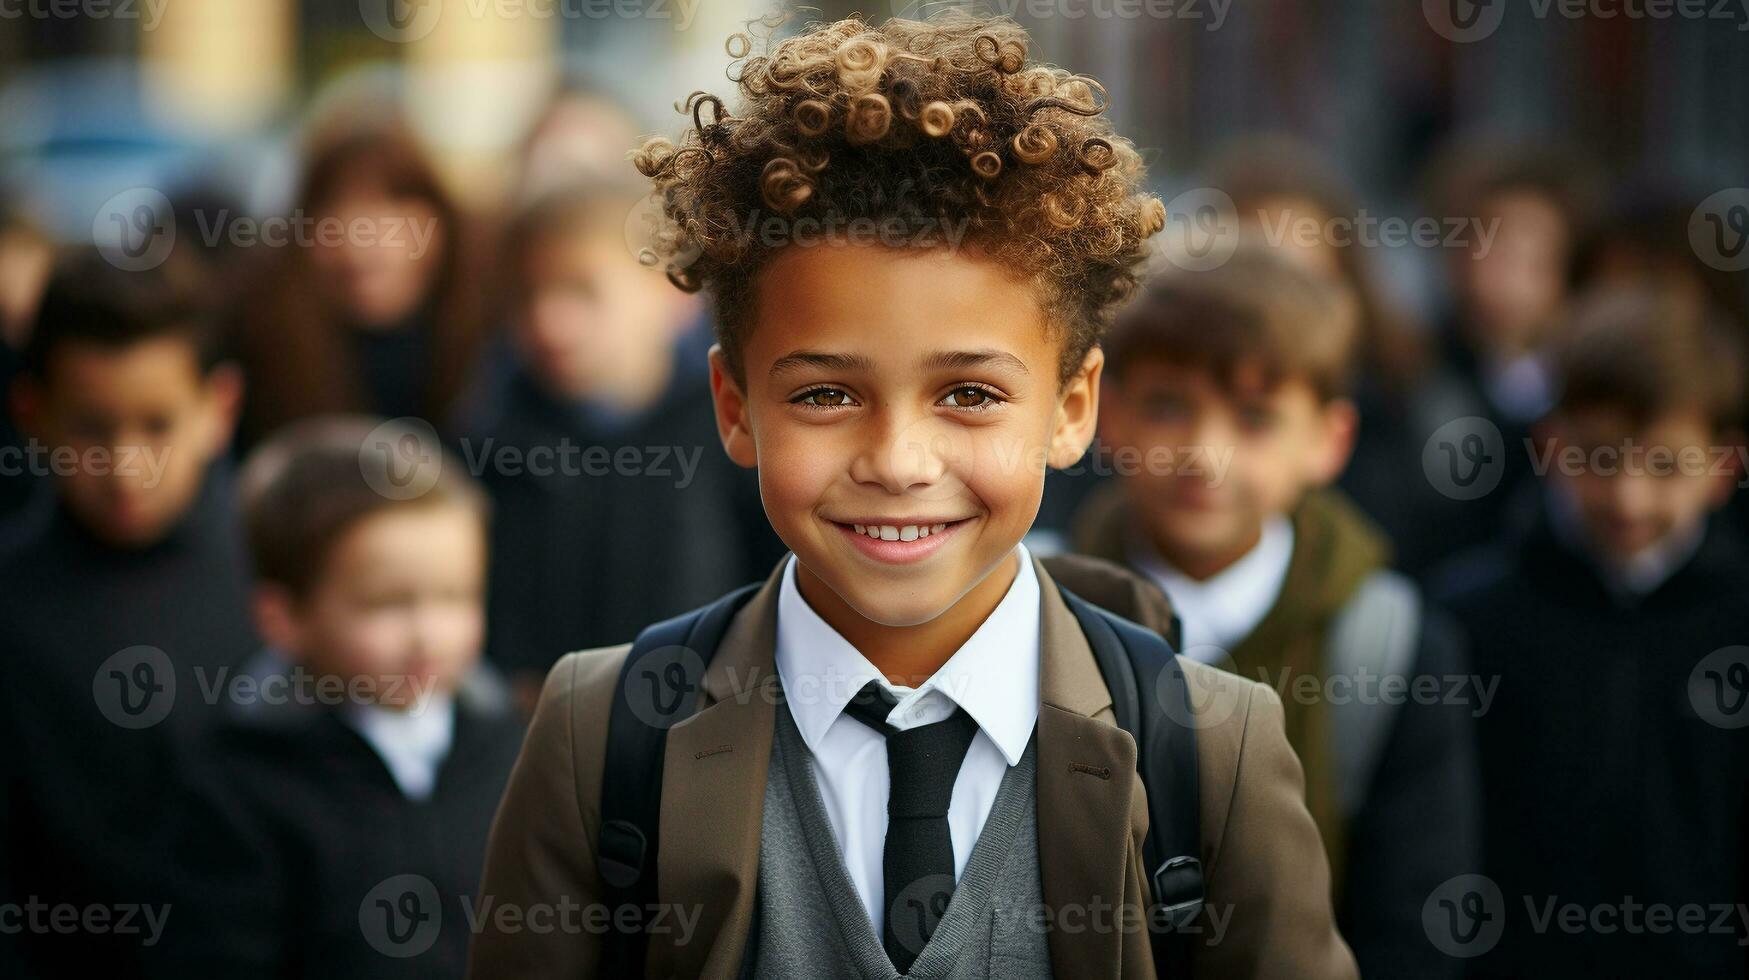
(904, 454)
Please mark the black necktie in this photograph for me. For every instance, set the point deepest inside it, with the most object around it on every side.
(917, 859)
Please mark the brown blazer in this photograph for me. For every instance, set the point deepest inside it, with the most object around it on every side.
(1267, 881)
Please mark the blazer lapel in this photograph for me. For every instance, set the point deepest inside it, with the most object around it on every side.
(1086, 790)
(713, 802)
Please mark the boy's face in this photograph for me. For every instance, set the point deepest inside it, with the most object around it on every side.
(907, 388)
(1295, 228)
(378, 270)
(594, 315)
(141, 423)
(1224, 460)
(398, 609)
(1516, 285)
(1635, 488)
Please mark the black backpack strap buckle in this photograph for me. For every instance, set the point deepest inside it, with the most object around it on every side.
(620, 853)
(1177, 893)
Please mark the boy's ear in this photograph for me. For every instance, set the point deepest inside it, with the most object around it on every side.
(224, 393)
(1341, 422)
(1730, 471)
(276, 619)
(1077, 412)
(733, 426)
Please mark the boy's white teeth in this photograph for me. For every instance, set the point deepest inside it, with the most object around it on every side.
(898, 532)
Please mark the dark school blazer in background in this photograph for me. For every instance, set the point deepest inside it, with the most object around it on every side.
(1265, 868)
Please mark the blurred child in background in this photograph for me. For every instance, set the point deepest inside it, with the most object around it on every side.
(1645, 239)
(378, 308)
(122, 607)
(1611, 769)
(634, 515)
(1288, 197)
(1228, 390)
(1507, 291)
(339, 827)
(26, 256)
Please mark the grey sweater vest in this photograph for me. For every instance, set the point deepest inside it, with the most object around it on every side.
(811, 922)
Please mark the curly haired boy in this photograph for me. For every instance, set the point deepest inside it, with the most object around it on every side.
(902, 754)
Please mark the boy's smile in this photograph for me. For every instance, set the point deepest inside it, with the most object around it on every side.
(898, 540)
(901, 406)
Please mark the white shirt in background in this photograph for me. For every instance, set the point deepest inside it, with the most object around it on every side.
(412, 743)
(1219, 612)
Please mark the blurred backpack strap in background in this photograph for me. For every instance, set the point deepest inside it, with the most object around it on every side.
(669, 660)
(1376, 632)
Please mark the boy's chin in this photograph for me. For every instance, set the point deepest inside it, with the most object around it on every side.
(897, 607)
(894, 603)
(128, 532)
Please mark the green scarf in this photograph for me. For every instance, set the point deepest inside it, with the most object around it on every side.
(1335, 549)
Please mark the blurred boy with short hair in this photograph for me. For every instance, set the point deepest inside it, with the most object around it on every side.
(634, 515)
(1615, 769)
(1226, 404)
(1508, 291)
(121, 603)
(349, 801)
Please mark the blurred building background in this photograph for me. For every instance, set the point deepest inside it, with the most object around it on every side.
(98, 97)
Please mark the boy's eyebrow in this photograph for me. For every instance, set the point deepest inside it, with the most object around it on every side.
(948, 360)
(821, 359)
(959, 360)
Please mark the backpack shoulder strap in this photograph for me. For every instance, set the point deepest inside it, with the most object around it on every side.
(1152, 702)
(1374, 636)
(658, 687)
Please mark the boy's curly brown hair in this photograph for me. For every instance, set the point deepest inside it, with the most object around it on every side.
(934, 124)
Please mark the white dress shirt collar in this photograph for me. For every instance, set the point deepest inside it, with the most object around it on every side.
(994, 676)
(1219, 612)
(412, 743)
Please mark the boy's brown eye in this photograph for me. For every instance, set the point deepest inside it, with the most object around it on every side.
(969, 397)
(825, 398)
